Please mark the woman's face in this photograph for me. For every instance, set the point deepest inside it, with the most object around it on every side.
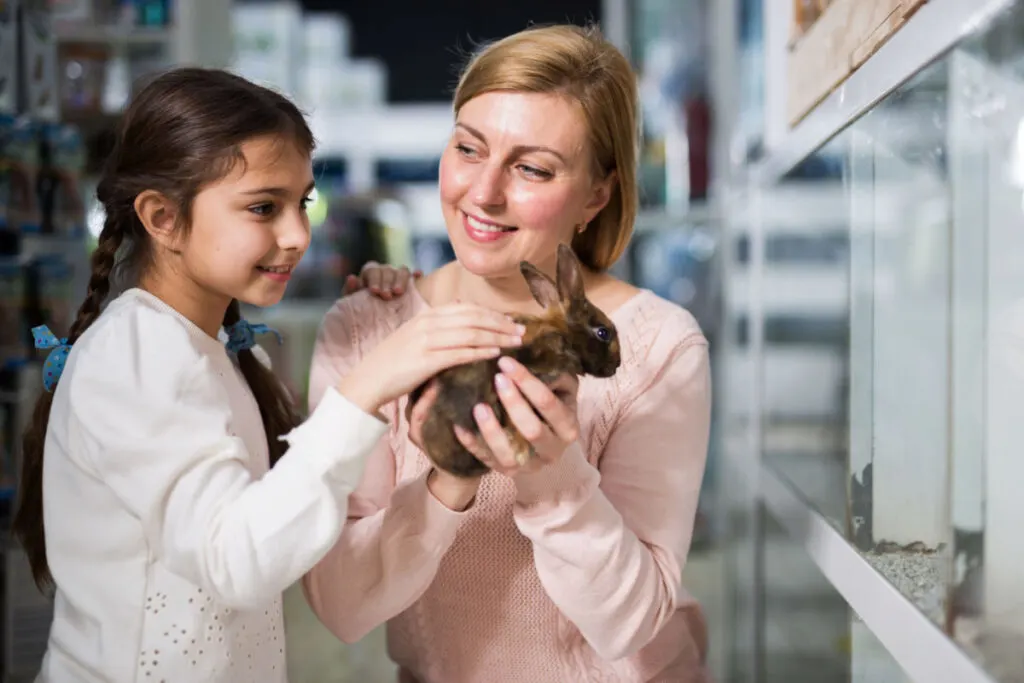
(516, 180)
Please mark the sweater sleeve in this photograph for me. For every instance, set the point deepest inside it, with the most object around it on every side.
(396, 535)
(156, 426)
(610, 545)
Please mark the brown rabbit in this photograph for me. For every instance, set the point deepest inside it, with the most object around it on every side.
(571, 336)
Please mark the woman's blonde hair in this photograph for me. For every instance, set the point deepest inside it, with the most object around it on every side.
(582, 65)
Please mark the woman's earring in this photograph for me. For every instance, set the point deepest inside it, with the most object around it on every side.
(581, 227)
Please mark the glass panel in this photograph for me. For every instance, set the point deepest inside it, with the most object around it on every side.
(886, 338)
(736, 418)
(935, 189)
(987, 164)
(900, 338)
(804, 295)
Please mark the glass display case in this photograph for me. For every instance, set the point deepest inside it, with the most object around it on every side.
(879, 316)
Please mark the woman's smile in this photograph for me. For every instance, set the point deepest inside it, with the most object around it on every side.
(484, 231)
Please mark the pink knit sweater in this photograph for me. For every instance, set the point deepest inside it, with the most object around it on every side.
(570, 574)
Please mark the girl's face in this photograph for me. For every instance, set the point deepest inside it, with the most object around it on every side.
(250, 229)
(516, 180)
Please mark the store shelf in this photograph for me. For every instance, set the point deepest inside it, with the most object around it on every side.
(395, 132)
(113, 36)
(933, 30)
(923, 651)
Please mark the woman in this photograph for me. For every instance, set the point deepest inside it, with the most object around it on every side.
(570, 572)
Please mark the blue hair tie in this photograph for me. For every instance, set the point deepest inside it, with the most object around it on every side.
(55, 360)
(242, 335)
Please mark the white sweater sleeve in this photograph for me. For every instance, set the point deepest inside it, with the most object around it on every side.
(155, 425)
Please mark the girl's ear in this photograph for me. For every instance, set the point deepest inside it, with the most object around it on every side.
(158, 216)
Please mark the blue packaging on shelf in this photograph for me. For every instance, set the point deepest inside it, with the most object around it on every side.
(21, 152)
(61, 202)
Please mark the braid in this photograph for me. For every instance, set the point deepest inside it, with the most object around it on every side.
(103, 260)
(28, 518)
(276, 406)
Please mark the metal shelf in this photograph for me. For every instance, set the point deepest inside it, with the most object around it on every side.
(923, 651)
(933, 30)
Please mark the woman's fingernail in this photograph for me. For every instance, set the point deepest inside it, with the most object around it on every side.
(481, 413)
(520, 330)
(507, 364)
(500, 380)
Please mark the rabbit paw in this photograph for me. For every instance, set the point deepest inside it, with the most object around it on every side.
(521, 448)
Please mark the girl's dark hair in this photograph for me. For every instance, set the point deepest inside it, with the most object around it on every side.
(184, 130)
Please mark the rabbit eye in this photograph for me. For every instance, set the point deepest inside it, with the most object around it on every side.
(602, 333)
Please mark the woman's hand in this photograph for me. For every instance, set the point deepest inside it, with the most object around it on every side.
(550, 433)
(435, 340)
(455, 493)
(384, 281)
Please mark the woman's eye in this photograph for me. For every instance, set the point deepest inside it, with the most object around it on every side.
(465, 150)
(306, 201)
(534, 172)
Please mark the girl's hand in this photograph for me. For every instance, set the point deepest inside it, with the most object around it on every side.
(550, 433)
(385, 282)
(433, 341)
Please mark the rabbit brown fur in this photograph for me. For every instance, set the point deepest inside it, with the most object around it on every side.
(571, 336)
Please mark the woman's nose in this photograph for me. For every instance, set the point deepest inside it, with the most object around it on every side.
(488, 187)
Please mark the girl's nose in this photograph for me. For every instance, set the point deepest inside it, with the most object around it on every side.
(293, 231)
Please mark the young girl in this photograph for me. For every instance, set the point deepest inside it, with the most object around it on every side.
(168, 538)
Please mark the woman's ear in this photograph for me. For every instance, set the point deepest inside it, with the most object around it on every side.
(600, 196)
(158, 216)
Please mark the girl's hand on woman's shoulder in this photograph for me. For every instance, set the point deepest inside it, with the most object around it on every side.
(384, 281)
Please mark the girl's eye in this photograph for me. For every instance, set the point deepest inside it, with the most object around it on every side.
(262, 210)
(306, 201)
(533, 172)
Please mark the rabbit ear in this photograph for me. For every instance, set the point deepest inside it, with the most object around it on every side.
(570, 275)
(542, 287)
